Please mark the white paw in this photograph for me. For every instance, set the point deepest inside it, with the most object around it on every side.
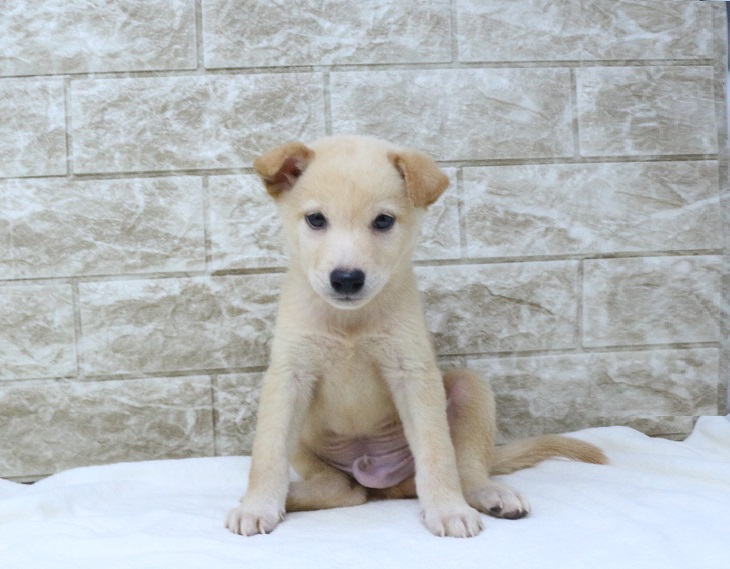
(250, 520)
(461, 521)
(498, 500)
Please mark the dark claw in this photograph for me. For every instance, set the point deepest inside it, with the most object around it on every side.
(514, 515)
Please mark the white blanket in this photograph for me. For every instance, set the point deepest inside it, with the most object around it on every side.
(659, 505)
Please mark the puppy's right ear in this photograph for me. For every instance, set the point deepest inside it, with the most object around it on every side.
(281, 167)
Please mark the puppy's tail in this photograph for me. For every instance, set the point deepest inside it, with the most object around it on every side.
(529, 452)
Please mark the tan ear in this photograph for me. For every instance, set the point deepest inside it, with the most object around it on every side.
(281, 167)
(424, 180)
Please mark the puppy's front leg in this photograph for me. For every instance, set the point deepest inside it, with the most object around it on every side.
(285, 396)
(421, 401)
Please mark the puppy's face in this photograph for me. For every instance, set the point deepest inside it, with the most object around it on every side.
(349, 234)
(350, 216)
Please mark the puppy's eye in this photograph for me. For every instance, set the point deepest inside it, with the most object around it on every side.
(316, 220)
(383, 222)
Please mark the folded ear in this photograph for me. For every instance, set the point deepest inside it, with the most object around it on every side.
(281, 167)
(424, 180)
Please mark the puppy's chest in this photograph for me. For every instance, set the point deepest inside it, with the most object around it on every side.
(351, 397)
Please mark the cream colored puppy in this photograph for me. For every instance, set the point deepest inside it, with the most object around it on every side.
(353, 397)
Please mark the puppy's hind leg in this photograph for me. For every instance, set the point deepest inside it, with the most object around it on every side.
(322, 487)
(472, 423)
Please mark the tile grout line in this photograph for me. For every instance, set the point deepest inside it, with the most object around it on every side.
(580, 341)
(475, 163)
(466, 261)
(78, 330)
(121, 277)
(445, 358)
(454, 32)
(368, 67)
(214, 410)
(68, 126)
(199, 45)
(720, 44)
(207, 244)
(576, 116)
(143, 375)
(461, 212)
(327, 88)
(612, 349)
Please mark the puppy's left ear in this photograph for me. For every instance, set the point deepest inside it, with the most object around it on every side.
(281, 167)
(424, 180)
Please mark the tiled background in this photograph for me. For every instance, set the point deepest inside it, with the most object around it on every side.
(577, 259)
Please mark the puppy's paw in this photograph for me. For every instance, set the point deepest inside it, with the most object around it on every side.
(461, 521)
(498, 500)
(251, 520)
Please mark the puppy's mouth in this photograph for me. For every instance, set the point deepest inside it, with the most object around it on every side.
(346, 302)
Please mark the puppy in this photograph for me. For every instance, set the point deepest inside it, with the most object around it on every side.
(353, 397)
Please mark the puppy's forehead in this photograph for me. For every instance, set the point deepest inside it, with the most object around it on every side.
(356, 172)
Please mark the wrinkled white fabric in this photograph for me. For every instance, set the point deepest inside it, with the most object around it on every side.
(660, 504)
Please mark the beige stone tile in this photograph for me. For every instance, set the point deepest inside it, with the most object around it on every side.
(670, 427)
(36, 332)
(646, 29)
(505, 30)
(49, 426)
(652, 300)
(646, 110)
(309, 32)
(590, 208)
(61, 227)
(78, 36)
(177, 324)
(657, 391)
(459, 114)
(440, 233)
(554, 30)
(236, 404)
(245, 231)
(503, 307)
(32, 128)
(173, 123)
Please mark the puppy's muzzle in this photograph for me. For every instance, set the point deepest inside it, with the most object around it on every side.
(347, 283)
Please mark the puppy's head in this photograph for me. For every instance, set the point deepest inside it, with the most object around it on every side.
(351, 208)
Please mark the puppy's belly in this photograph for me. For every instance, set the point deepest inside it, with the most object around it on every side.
(380, 461)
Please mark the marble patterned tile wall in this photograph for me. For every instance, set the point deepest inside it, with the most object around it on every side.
(578, 260)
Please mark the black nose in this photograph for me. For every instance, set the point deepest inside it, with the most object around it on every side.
(347, 282)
